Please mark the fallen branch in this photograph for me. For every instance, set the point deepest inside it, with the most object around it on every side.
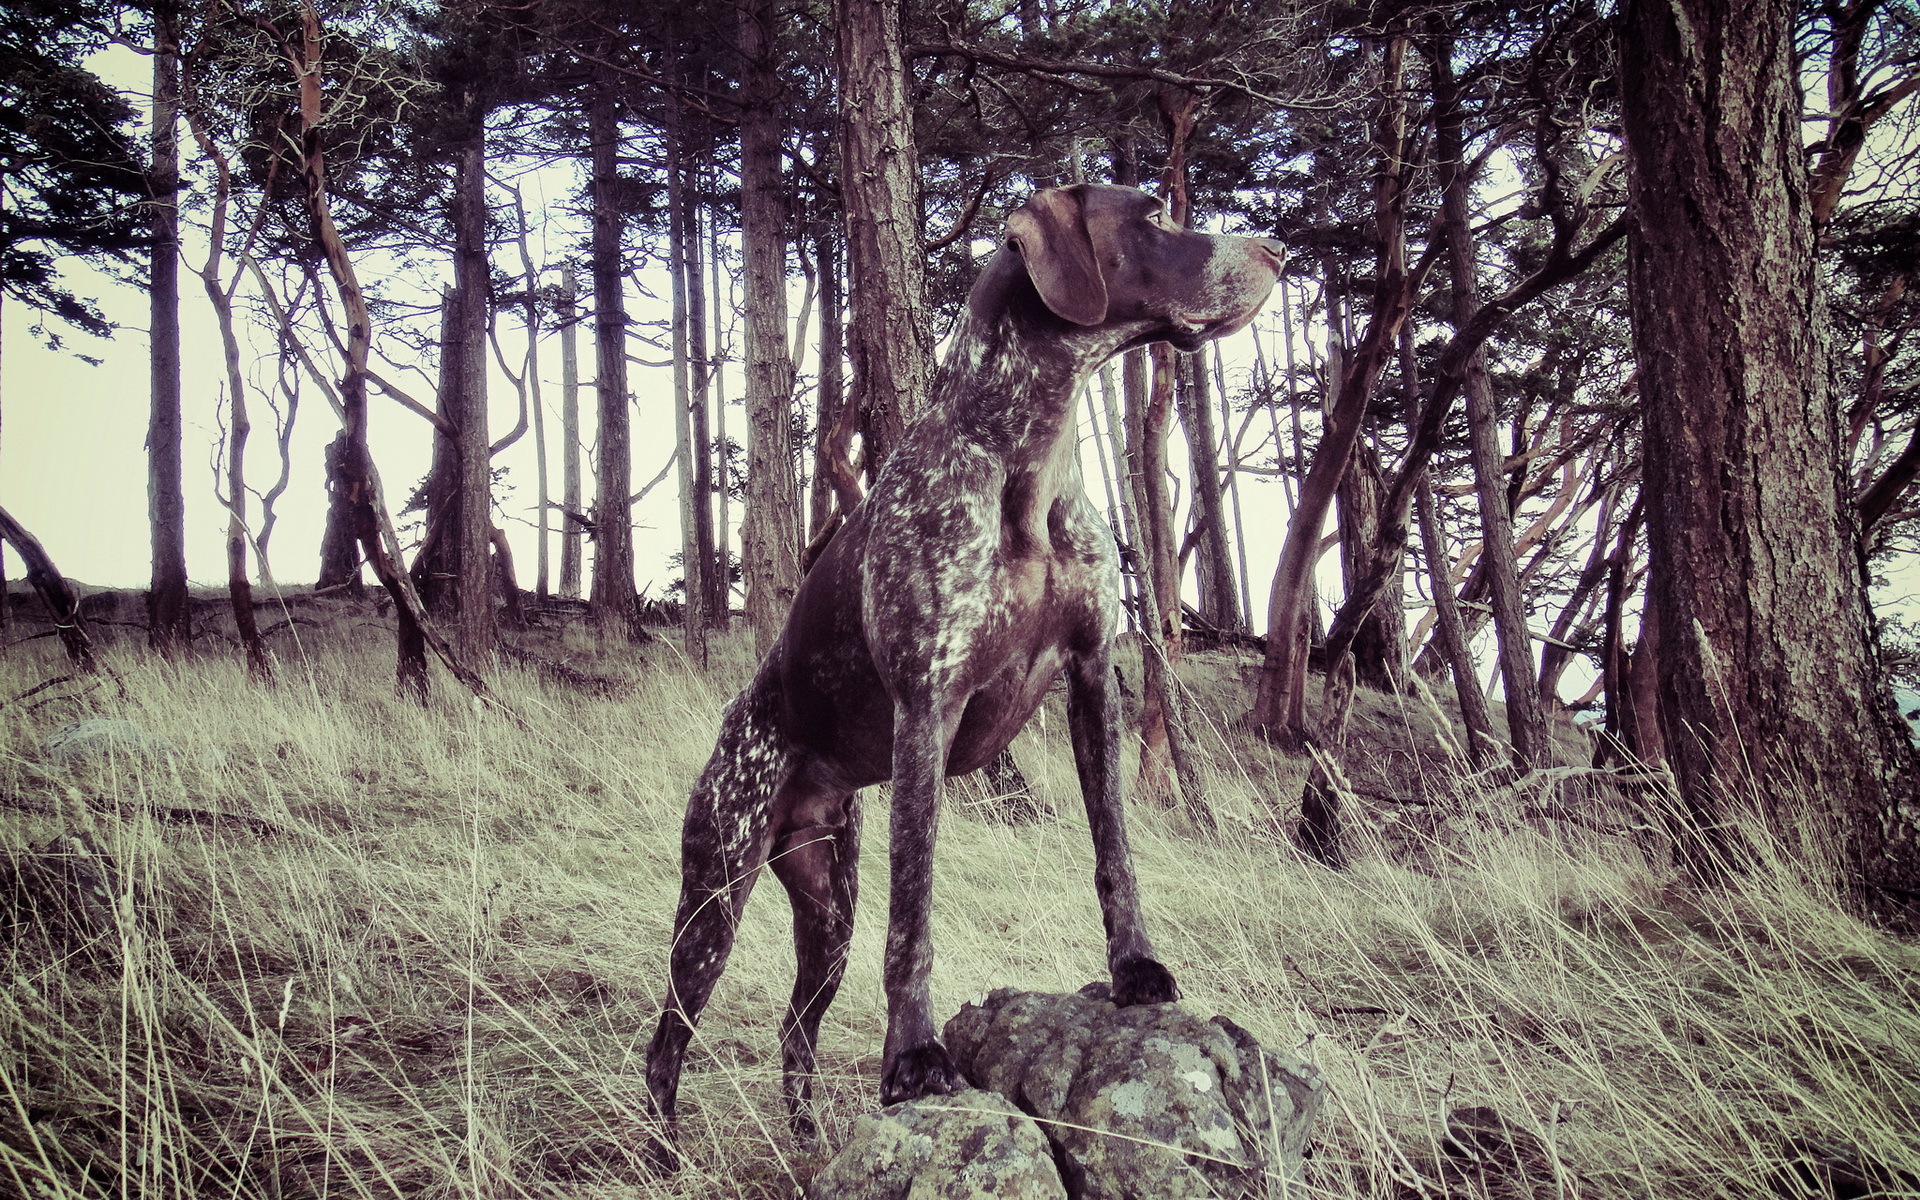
(37, 688)
(166, 814)
(598, 685)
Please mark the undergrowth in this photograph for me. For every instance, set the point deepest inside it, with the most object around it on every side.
(361, 947)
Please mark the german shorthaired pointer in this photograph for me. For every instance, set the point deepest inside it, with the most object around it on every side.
(933, 624)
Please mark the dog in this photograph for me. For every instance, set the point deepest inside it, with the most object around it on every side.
(933, 624)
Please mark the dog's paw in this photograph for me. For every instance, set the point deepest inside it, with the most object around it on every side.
(922, 1071)
(662, 1156)
(1142, 981)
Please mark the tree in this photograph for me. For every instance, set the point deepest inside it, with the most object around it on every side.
(168, 630)
(770, 529)
(614, 600)
(1281, 707)
(889, 338)
(1770, 691)
(70, 177)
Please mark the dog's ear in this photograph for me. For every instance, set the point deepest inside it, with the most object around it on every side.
(1050, 231)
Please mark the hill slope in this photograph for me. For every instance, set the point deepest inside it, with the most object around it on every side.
(369, 948)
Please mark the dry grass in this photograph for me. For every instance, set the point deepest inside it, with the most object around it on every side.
(439, 976)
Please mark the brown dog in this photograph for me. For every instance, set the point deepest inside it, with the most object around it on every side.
(936, 620)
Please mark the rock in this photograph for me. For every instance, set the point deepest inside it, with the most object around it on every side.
(968, 1146)
(103, 737)
(1148, 1101)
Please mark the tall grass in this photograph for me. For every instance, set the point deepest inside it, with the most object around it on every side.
(434, 970)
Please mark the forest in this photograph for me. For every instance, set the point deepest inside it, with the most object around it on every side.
(1517, 614)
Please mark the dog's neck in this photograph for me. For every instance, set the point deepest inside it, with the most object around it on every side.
(1009, 384)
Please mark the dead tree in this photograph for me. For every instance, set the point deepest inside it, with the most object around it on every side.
(62, 602)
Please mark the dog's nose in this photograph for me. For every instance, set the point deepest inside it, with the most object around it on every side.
(1273, 248)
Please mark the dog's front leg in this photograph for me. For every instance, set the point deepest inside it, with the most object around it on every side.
(915, 1064)
(1093, 718)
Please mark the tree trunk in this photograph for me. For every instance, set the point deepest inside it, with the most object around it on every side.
(1149, 412)
(682, 230)
(833, 476)
(770, 526)
(702, 368)
(530, 316)
(1164, 753)
(1632, 728)
(1481, 744)
(1379, 645)
(339, 557)
(239, 427)
(1770, 686)
(1280, 709)
(1554, 655)
(572, 533)
(1525, 724)
(1233, 437)
(1219, 590)
(303, 53)
(451, 570)
(889, 338)
(63, 603)
(722, 612)
(614, 603)
(168, 620)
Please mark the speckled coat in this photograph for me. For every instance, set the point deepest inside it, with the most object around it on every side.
(975, 574)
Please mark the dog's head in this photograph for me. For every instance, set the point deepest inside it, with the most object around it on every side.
(1105, 257)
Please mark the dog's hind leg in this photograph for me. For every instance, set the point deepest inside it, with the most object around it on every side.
(723, 844)
(816, 855)
(1093, 719)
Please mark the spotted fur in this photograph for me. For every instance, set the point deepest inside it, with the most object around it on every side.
(932, 625)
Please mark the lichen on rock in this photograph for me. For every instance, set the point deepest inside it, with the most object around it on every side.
(1148, 1101)
(969, 1146)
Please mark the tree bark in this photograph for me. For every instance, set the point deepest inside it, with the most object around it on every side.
(530, 316)
(168, 621)
(572, 533)
(1219, 590)
(614, 603)
(1165, 759)
(682, 229)
(836, 486)
(1771, 692)
(889, 339)
(721, 614)
(1379, 645)
(1481, 744)
(451, 570)
(339, 557)
(63, 603)
(1526, 726)
(702, 368)
(770, 526)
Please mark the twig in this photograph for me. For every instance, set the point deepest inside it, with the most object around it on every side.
(39, 687)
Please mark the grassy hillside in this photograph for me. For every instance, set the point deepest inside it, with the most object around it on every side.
(429, 962)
